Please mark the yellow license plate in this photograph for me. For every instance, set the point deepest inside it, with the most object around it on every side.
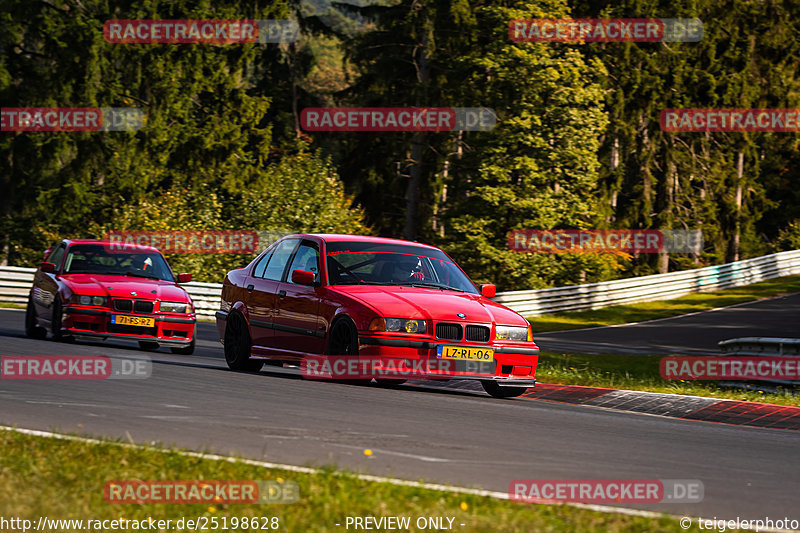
(465, 353)
(125, 320)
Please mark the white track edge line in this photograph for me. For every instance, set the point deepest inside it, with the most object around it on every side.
(362, 477)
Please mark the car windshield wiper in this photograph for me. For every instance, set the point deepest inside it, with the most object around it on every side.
(434, 286)
(141, 275)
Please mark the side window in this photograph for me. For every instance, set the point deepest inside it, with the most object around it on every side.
(261, 266)
(277, 262)
(56, 256)
(306, 258)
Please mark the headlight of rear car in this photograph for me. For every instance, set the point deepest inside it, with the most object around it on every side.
(173, 307)
(398, 325)
(88, 300)
(512, 333)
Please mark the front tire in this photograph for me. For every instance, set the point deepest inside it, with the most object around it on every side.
(237, 345)
(184, 350)
(344, 341)
(496, 391)
(58, 315)
(32, 327)
(390, 383)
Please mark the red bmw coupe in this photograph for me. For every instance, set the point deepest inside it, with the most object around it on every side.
(99, 289)
(404, 303)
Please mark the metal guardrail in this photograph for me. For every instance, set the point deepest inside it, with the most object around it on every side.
(15, 284)
(649, 288)
(764, 347)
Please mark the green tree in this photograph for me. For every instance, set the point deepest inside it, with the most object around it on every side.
(467, 190)
(722, 183)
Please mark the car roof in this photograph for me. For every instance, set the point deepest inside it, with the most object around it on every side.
(139, 247)
(338, 237)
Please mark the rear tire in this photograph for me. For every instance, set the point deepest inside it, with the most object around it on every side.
(237, 345)
(496, 391)
(32, 327)
(184, 350)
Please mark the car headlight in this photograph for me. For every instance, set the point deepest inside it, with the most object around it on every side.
(399, 325)
(513, 333)
(173, 307)
(88, 300)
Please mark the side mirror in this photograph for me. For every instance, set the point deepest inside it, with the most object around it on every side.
(303, 277)
(488, 290)
(48, 268)
(183, 277)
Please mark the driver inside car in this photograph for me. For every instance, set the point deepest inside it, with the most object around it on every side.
(407, 270)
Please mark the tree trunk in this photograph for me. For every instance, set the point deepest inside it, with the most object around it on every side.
(666, 217)
(5, 209)
(293, 73)
(417, 146)
(412, 192)
(737, 220)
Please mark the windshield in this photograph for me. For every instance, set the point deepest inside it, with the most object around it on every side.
(356, 263)
(99, 259)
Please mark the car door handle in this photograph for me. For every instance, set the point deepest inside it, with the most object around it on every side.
(250, 288)
(282, 294)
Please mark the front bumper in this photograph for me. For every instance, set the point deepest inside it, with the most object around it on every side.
(513, 366)
(96, 324)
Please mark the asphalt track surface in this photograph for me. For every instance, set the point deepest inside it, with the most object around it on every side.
(693, 334)
(458, 437)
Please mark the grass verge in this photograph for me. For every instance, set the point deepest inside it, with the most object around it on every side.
(639, 312)
(63, 479)
(641, 372)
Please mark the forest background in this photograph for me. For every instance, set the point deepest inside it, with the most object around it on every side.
(577, 142)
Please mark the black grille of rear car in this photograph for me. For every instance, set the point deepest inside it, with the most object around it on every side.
(123, 305)
(126, 306)
(143, 306)
(477, 333)
(449, 332)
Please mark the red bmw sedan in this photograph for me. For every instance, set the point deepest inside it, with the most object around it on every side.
(99, 289)
(405, 304)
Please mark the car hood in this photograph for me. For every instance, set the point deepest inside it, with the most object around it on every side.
(123, 286)
(393, 301)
